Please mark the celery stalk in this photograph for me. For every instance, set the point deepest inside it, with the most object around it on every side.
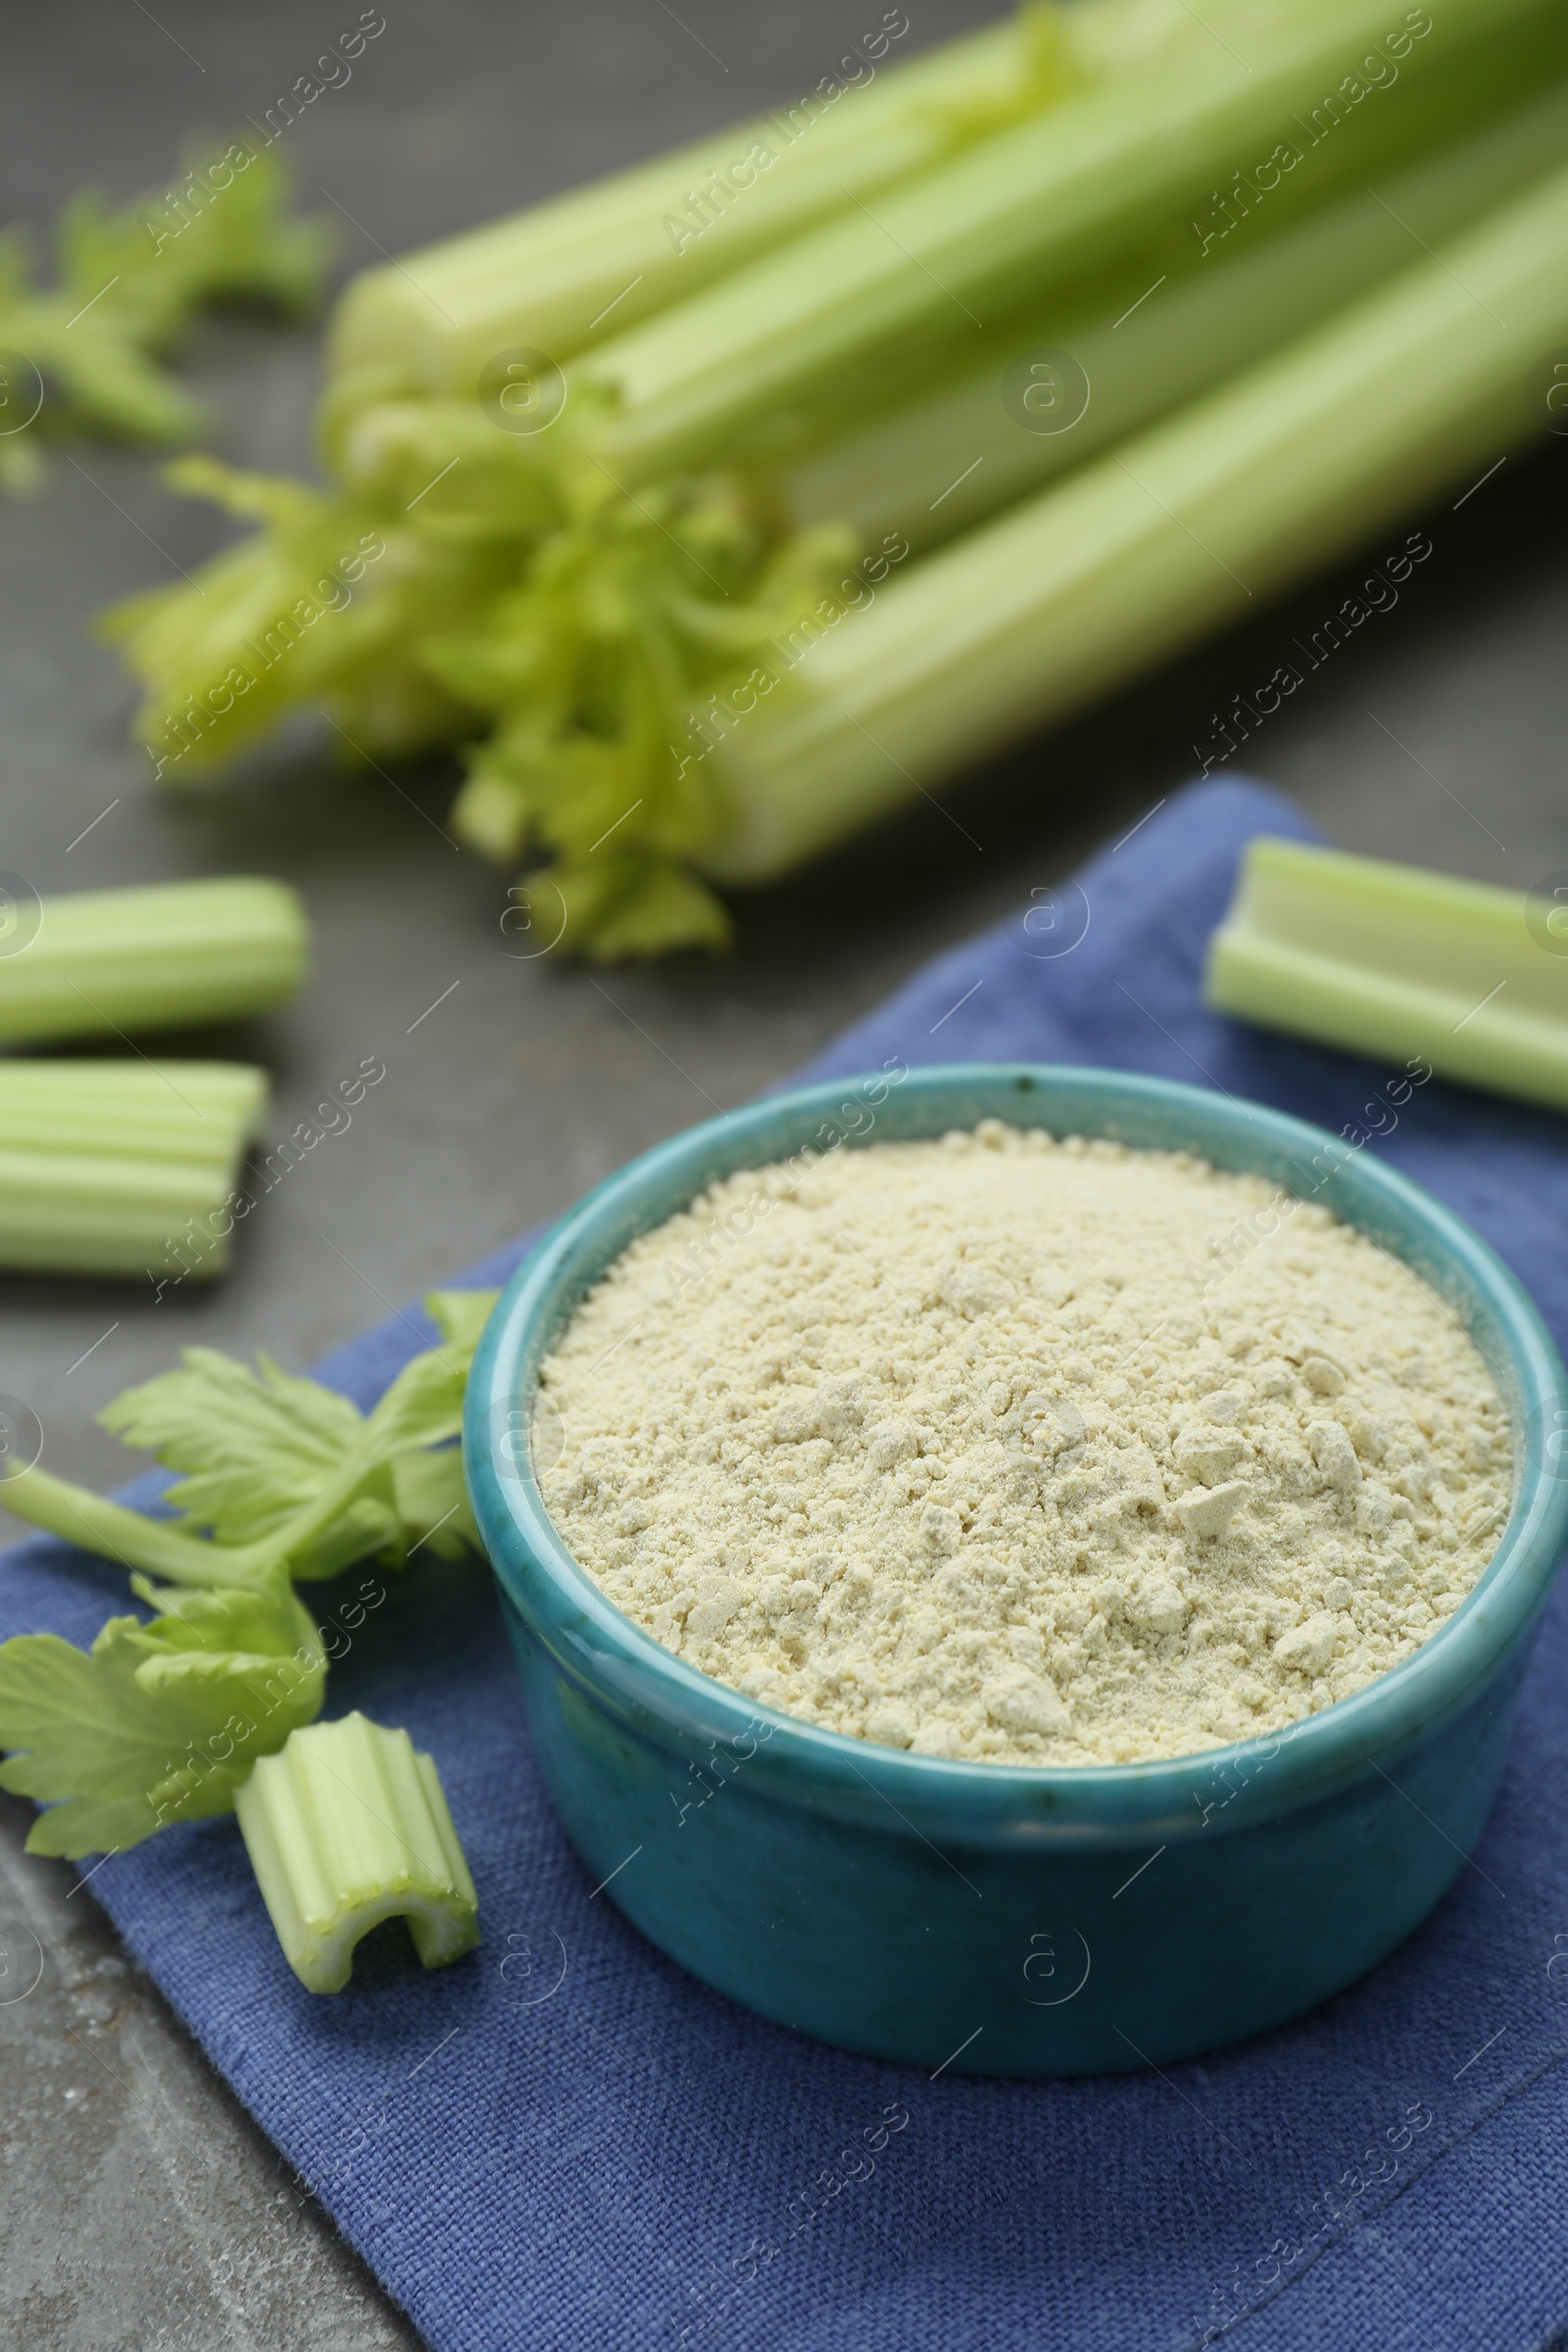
(877, 446)
(1021, 216)
(955, 454)
(636, 242)
(101, 962)
(437, 488)
(109, 1167)
(67, 1214)
(1138, 555)
(577, 750)
(346, 1826)
(1390, 961)
(97, 1523)
(633, 243)
(186, 1111)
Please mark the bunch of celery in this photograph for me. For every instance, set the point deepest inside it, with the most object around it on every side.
(132, 1167)
(928, 428)
(82, 356)
(209, 1705)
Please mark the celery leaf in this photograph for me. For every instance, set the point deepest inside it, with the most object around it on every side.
(256, 1447)
(633, 904)
(129, 282)
(158, 1722)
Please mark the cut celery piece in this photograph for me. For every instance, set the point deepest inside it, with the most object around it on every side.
(346, 1826)
(125, 1168)
(177, 1110)
(100, 962)
(1390, 961)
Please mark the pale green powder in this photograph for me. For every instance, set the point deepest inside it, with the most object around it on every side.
(972, 1446)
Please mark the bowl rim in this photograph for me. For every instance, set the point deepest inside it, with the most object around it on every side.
(650, 1688)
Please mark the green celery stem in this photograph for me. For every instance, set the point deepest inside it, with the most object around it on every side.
(1389, 960)
(94, 1523)
(122, 1167)
(1184, 529)
(543, 279)
(957, 456)
(1021, 216)
(105, 963)
(346, 1826)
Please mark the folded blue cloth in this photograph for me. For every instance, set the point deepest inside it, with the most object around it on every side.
(564, 2141)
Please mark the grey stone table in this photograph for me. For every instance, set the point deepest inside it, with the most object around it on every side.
(141, 2209)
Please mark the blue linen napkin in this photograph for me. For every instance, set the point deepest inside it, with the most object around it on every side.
(564, 2141)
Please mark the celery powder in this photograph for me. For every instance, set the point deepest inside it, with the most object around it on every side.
(976, 1447)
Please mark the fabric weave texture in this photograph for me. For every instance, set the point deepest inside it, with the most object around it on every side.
(565, 2142)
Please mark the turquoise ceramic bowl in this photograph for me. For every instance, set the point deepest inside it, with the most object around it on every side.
(973, 1916)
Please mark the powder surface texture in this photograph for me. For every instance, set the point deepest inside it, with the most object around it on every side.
(1008, 1449)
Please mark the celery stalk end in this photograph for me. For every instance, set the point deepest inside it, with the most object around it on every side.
(346, 1826)
(1386, 960)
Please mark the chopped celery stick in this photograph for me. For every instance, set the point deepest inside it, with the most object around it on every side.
(161, 1721)
(1389, 960)
(185, 1110)
(346, 1826)
(101, 962)
(109, 1167)
(64, 1213)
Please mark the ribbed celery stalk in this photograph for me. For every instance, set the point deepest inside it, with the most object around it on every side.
(465, 484)
(629, 245)
(122, 1167)
(346, 1826)
(958, 455)
(623, 248)
(101, 962)
(1024, 214)
(1390, 961)
(449, 501)
(635, 241)
(188, 1110)
(1185, 528)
